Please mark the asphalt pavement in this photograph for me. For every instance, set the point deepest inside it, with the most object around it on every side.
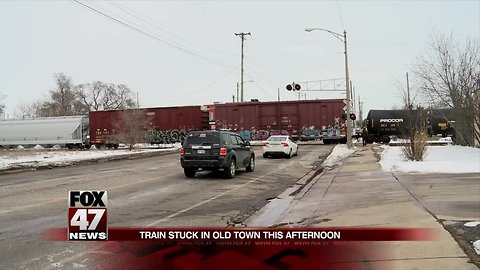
(145, 192)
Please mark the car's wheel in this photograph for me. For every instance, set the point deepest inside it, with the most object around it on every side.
(296, 152)
(189, 172)
(230, 170)
(265, 155)
(290, 153)
(251, 165)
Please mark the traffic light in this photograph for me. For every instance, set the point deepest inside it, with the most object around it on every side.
(294, 87)
(353, 116)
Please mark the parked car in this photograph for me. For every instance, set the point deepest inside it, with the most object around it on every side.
(280, 145)
(216, 150)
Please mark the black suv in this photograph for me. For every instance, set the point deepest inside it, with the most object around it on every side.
(216, 150)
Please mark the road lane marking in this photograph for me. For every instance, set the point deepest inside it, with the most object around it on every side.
(81, 254)
(207, 200)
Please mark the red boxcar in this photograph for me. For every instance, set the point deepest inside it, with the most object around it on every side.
(164, 125)
(277, 117)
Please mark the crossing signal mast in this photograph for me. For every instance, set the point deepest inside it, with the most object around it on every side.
(293, 87)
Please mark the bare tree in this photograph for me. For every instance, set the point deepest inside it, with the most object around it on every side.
(131, 127)
(69, 99)
(414, 129)
(450, 76)
(105, 96)
(28, 110)
(2, 105)
(62, 100)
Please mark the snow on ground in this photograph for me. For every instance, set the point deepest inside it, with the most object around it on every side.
(438, 159)
(338, 153)
(35, 158)
(472, 224)
(476, 246)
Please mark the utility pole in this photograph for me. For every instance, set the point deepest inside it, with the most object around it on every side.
(408, 94)
(360, 111)
(278, 94)
(352, 98)
(138, 102)
(347, 79)
(237, 93)
(242, 36)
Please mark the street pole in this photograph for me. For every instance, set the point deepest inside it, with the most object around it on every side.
(347, 84)
(237, 92)
(347, 80)
(242, 36)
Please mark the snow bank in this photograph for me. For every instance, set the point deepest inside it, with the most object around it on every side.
(18, 158)
(472, 224)
(476, 246)
(438, 159)
(338, 153)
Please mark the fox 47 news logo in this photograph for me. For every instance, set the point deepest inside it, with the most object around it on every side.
(87, 215)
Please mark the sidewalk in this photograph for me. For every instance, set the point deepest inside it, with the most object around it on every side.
(358, 193)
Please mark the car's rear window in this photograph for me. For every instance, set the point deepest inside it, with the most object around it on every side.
(200, 138)
(277, 139)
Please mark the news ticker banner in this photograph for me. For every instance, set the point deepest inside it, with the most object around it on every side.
(246, 248)
(87, 221)
(284, 235)
(224, 248)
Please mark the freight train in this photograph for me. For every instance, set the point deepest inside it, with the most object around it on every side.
(383, 124)
(66, 131)
(162, 124)
(252, 120)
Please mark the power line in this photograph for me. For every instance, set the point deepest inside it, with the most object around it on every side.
(150, 35)
(205, 87)
(150, 21)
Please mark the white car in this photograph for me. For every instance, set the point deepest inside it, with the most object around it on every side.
(279, 145)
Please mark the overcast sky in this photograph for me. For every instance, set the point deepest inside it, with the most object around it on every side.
(188, 52)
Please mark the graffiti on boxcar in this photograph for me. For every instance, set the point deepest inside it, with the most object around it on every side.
(259, 135)
(245, 134)
(311, 132)
(278, 132)
(165, 136)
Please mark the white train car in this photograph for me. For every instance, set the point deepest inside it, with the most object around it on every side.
(66, 131)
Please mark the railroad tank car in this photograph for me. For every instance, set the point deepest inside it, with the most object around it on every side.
(381, 124)
(163, 124)
(442, 123)
(66, 131)
(257, 120)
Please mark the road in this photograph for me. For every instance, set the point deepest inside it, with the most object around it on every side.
(147, 192)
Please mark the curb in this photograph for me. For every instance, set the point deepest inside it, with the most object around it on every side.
(279, 206)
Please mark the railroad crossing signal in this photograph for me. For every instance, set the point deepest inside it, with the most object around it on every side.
(293, 87)
(353, 116)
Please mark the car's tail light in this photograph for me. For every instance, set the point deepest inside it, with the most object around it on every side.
(285, 144)
(265, 143)
(223, 151)
(182, 152)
